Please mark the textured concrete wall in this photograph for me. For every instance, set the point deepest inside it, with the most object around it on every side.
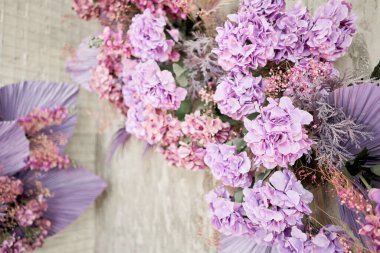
(149, 206)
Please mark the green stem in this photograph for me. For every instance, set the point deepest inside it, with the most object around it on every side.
(365, 182)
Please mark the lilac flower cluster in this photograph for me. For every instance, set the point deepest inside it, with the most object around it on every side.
(263, 31)
(145, 82)
(246, 42)
(332, 30)
(276, 205)
(227, 216)
(148, 39)
(231, 168)
(267, 8)
(277, 136)
(292, 28)
(330, 239)
(239, 95)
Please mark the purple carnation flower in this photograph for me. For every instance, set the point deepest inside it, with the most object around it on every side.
(246, 42)
(276, 205)
(267, 8)
(147, 37)
(226, 216)
(231, 168)
(332, 30)
(239, 95)
(147, 83)
(277, 136)
(292, 28)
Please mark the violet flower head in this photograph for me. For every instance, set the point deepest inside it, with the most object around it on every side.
(292, 28)
(156, 88)
(231, 168)
(371, 229)
(148, 39)
(226, 216)
(330, 239)
(332, 30)
(276, 205)
(246, 42)
(267, 8)
(294, 240)
(239, 95)
(277, 136)
(374, 195)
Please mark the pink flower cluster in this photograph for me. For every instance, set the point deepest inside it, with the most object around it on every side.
(10, 189)
(306, 76)
(22, 211)
(227, 166)
(263, 31)
(107, 11)
(277, 136)
(108, 87)
(275, 206)
(227, 216)
(145, 82)
(239, 95)
(45, 153)
(147, 123)
(105, 77)
(148, 39)
(175, 8)
(39, 119)
(184, 143)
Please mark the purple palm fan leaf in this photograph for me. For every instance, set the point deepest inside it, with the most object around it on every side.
(361, 104)
(19, 99)
(14, 147)
(73, 191)
(242, 244)
(81, 65)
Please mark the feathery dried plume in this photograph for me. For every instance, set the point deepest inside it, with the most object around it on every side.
(333, 128)
(202, 63)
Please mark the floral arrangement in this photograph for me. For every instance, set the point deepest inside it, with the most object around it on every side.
(41, 192)
(253, 97)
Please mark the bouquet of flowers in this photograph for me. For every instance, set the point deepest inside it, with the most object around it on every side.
(258, 102)
(40, 191)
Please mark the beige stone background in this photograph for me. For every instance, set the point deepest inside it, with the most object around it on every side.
(149, 207)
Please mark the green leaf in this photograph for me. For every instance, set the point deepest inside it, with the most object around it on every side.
(356, 166)
(376, 170)
(376, 72)
(227, 119)
(240, 144)
(185, 108)
(253, 116)
(238, 196)
(178, 69)
(180, 75)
